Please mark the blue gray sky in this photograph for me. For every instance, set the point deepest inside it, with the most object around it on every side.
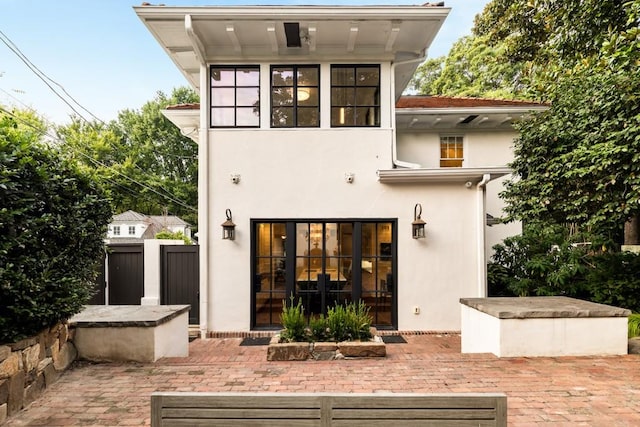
(102, 55)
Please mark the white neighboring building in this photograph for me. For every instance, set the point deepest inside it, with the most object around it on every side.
(305, 144)
(134, 227)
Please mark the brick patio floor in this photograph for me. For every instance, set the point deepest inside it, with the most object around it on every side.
(558, 391)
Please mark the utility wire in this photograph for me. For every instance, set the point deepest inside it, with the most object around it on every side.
(46, 79)
(99, 163)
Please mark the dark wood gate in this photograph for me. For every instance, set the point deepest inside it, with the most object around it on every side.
(181, 278)
(125, 273)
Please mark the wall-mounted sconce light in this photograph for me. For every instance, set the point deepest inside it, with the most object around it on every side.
(417, 226)
(228, 227)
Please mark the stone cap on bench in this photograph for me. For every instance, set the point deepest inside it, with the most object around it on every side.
(542, 307)
(122, 316)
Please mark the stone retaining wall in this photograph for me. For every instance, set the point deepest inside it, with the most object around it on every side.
(29, 366)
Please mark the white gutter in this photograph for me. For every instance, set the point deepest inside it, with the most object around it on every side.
(482, 219)
(203, 205)
(394, 151)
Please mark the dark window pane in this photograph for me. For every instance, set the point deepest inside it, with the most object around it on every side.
(367, 76)
(366, 116)
(367, 96)
(282, 117)
(343, 96)
(282, 96)
(308, 76)
(308, 117)
(342, 116)
(282, 76)
(307, 96)
(343, 76)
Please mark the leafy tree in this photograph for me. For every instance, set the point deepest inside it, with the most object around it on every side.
(550, 37)
(53, 217)
(142, 158)
(472, 68)
(578, 162)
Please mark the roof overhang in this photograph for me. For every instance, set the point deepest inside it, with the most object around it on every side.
(195, 36)
(186, 119)
(464, 118)
(442, 175)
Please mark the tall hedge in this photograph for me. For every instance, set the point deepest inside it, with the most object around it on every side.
(53, 219)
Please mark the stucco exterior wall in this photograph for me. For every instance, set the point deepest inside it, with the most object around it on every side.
(299, 174)
(482, 147)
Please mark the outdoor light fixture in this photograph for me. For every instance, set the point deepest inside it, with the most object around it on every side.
(417, 226)
(228, 227)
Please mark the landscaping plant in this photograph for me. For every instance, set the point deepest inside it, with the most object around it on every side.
(53, 218)
(349, 322)
(293, 321)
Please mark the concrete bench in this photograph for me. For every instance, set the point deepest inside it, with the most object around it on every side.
(327, 409)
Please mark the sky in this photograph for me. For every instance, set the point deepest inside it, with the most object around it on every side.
(103, 57)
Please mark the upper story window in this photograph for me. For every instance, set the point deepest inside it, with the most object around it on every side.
(235, 96)
(116, 230)
(451, 151)
(295, 96)
(132, 230)
(355, 95)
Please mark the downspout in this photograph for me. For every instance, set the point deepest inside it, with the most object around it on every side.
(394, 151)
(203, 203)
(482, 219)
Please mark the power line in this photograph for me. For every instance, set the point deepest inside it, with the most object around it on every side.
(99, 163)
(46, 79)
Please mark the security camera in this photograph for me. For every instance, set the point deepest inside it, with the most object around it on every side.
(235, 178)
(348, 177)
(468, 184)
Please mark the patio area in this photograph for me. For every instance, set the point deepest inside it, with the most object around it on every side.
(553, 391)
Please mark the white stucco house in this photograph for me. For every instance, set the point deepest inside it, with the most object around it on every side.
(306, 145)
(134, 227)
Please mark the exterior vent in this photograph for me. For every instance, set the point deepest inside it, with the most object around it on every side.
(469, 119)
(292, 31)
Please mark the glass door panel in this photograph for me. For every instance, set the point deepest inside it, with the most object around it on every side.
(377, 271)
(269, 282)
(323, 264)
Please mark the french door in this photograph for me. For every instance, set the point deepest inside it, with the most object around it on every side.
(323, 263)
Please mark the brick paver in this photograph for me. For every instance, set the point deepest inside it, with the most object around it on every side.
(558, 391)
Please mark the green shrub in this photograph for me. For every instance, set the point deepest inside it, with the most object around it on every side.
(319, 328)
(53, 219)
(350, 322)
(170, 235)
(293, 321)
(545, 260)
(634, 325)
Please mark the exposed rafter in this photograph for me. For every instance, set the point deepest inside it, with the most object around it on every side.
(353, 35)
(273, 39)
(231, 33)
(313, 30)
(393, 35)
(198, 47)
